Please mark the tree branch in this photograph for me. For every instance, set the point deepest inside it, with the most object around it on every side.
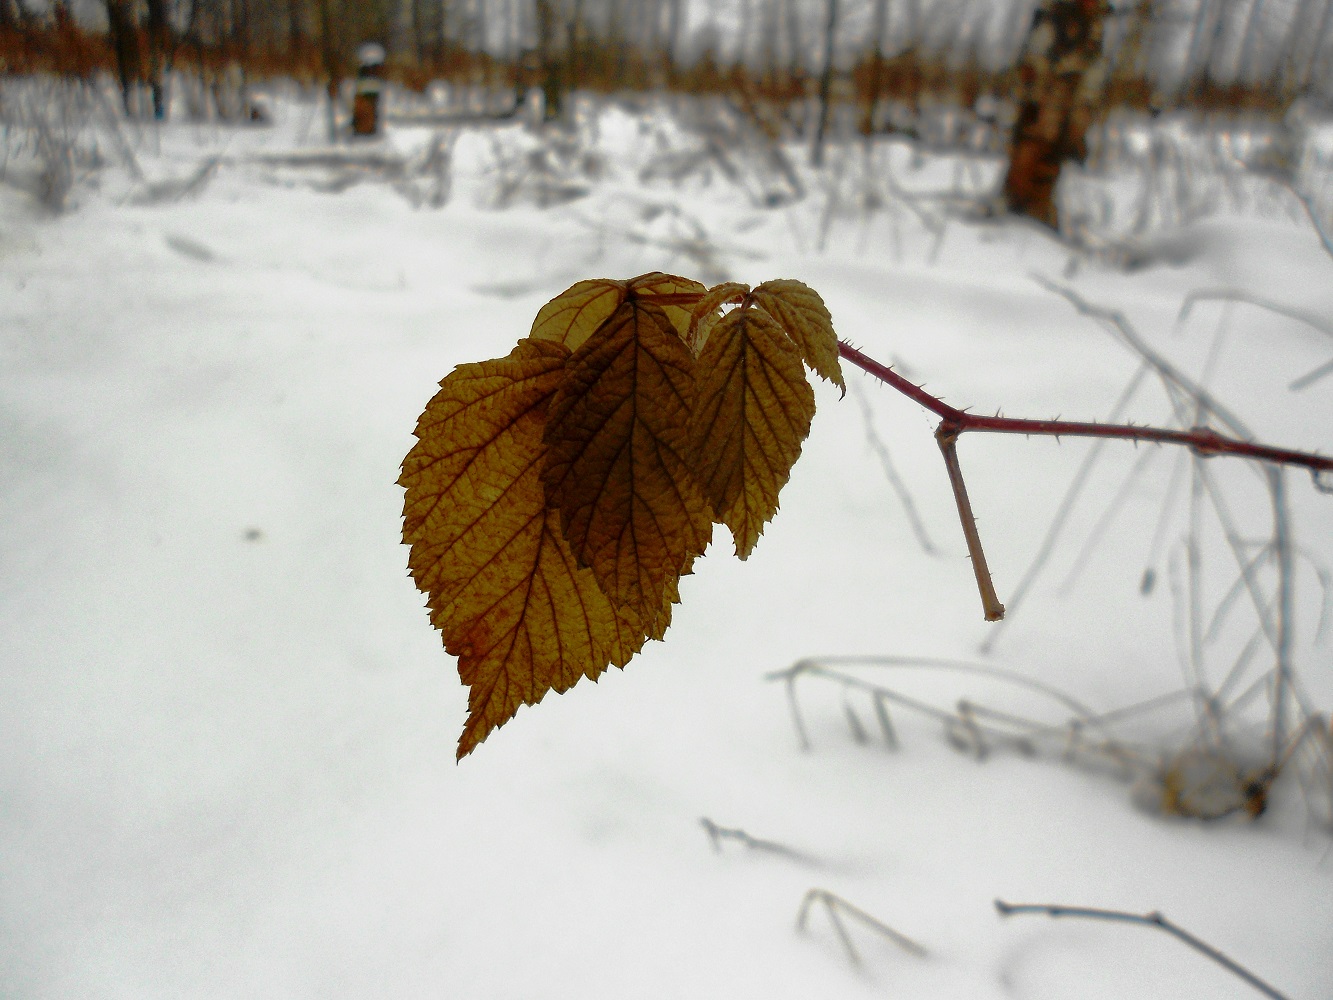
(1149, 920)
(1203, 441)
(947, 436)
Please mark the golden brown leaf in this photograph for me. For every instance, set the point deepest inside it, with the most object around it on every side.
(555, 497)
(707, 311)
(571, 317)
(753, 409)
(618, 464)
(533, 622)
(656, 629)
(502, 584)
(655, 284)
(801, 312)
(719, 295)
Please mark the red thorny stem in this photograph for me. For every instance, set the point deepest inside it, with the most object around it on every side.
(953, 422)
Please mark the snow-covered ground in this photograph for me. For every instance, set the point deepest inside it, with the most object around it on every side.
(227, 728)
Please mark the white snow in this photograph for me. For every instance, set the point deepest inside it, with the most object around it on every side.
(227, 729)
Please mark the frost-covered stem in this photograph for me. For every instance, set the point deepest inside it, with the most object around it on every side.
(1203, 697)
(1283, 553)
(895, 480)
(1149, 920)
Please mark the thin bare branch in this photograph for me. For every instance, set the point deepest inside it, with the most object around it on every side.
(717, 834)
(1311, 377)
(1315, 320)
(1094, 538)
(1203, 440)
(990, 603)
(1148, 920)
(881, 451)
(1062, 513)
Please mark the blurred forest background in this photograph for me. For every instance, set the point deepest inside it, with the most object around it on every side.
(882, 58)
(1024, 80)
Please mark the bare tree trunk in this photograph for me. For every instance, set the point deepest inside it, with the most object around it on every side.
(1062, 75)
(1194, 52)
(1127, 66)
(1209, 22)
(877, 30)
(159, 52)
(241, 29)
(428, 31)
(333, 70)
(481, 27)
(125, 43)
(825, 82)
(299, 33)
(1303, 43)
(672, 43)
(1247, 71)
(27, 18)
(1321, 37)
(795, 45)
(441, 27)
(578, 42)
(548, 60)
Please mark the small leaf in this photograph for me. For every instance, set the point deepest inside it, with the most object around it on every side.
(752, 412)
(707, 312)
(720, 295)
(656, 284)
(572, 316)
(502, 585)
(618, 466)
(801, 312)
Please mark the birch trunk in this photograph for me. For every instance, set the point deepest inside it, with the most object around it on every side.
(1062, 76)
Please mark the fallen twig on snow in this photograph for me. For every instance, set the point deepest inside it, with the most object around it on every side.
(834, 905)
(1149, 920)
(717, 834)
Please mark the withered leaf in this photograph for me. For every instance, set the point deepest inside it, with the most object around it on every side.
(752, 412)
(618, 462)
(571, 317)
(719, 295)
(801, 312)
(555, 497)
(502, 584)
(707, 311)
(656, 285)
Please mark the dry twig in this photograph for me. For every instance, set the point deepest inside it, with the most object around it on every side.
(836, 905)
(1148, 920)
